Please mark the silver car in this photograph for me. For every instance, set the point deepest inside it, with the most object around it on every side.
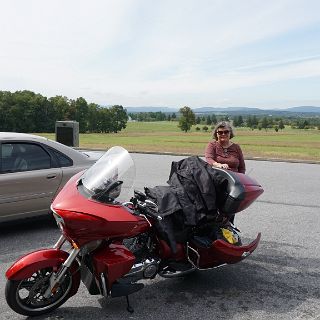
(32, 170)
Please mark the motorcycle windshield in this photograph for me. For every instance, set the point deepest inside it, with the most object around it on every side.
(111, 177)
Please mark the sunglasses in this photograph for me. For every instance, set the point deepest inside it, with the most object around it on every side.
(223, 132)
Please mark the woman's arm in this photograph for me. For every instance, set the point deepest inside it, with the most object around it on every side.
(242, 165)
(210, 155)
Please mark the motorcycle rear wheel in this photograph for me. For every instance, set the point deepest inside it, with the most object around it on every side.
(26, 296)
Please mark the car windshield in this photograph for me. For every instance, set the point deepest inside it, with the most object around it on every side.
(111, 177)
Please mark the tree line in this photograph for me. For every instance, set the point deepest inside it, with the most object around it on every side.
(187, 118)
(26, 111)
(276, 123)
(152, 116)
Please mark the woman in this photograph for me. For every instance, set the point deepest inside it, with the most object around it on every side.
(221, 152)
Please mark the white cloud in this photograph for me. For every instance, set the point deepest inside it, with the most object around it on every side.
(146, 52)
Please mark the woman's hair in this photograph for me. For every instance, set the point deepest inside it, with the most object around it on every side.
(222, 124)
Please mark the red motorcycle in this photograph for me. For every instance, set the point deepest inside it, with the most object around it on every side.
(110, 245)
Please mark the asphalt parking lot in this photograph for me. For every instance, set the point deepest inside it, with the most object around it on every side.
(281, 280)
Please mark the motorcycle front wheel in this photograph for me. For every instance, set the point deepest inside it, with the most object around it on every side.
(26, 296)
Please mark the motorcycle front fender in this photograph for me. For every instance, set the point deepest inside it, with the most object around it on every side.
(27, 265)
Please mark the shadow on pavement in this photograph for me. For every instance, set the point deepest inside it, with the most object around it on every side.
(27, 224)
(268, 285)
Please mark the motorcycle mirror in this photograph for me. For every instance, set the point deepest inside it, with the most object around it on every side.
(140, 195)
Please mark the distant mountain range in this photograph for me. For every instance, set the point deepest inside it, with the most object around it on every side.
(231, 110)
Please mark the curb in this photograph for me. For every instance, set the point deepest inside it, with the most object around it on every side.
(188, 154)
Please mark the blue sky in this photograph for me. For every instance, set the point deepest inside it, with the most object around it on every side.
(164, 53)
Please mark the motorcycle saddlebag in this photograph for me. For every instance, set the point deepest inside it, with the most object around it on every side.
(235, 191)
(219, 252)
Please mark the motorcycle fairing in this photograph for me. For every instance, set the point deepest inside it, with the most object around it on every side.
(88, 220)
(114, 261)
(221, 252)
(27, 265)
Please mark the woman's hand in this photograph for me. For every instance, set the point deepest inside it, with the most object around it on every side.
(221, 165)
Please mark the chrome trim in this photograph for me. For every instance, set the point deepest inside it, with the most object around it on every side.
(55, 278)
(60, 242)
(245, 254)
(196, 253)
(176, 274)
(104, 286)
(138, 269)
(142, 215)
(127, 203)
(198, 260)
(74, 253)
(152, 204)
(59, 220)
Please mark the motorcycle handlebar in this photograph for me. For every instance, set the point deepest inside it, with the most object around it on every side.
(152, 214)
(143, 206)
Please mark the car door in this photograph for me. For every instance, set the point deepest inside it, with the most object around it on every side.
(29, 179)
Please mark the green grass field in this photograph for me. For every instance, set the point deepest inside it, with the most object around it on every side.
(288, 144)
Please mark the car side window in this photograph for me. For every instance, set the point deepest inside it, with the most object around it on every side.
(63, 160)
(6, 157)
(17, 157)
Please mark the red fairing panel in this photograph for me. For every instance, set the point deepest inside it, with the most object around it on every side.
(222, 252)
(69, 199)
(114, 261)
(88, 220)
(84, 228)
